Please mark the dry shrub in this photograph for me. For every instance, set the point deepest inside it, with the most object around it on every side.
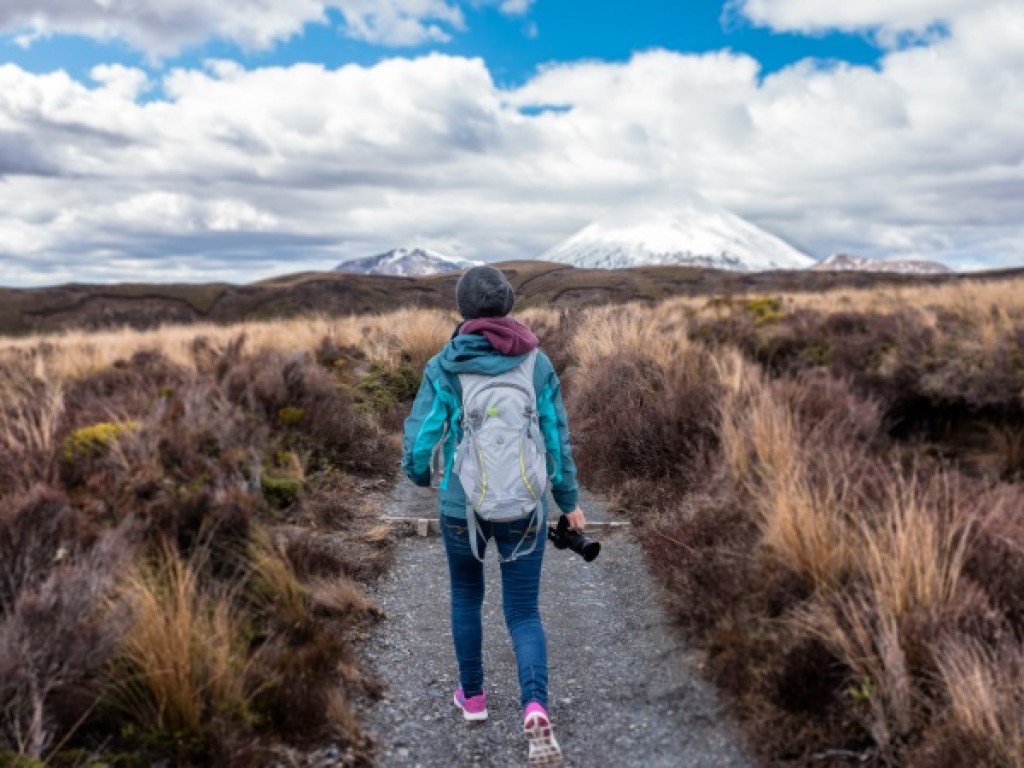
(699, 548)
(212, 649)
(56, 630)
(1008, 441)
(300, 677)
(556, 330)
(38, 529)
(995, 559)
(825, 407)
(636, 420)
(295, 390)
(128, 387)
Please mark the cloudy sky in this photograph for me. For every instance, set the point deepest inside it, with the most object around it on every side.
(205, 140)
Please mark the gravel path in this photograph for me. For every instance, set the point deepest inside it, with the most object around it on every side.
(624, 690)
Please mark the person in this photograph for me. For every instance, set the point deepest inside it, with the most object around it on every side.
(490, 343)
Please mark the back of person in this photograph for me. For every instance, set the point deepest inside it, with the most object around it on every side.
(490, 348)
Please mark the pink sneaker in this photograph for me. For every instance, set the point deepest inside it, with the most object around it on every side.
(544, 750)
(474, 708)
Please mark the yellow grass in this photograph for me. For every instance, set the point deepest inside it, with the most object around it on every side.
(985, 702)
(805, 526)
(758, 430)
(273, 583)
(340, 595)
(384, 338)
(656, 332)
(341, 715)
(910, 558)
(987, 310)
(185, 656)
(30, 422)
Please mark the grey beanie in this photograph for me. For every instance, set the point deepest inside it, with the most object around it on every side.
(484, 292)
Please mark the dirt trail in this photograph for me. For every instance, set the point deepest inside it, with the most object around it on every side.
(624, 690)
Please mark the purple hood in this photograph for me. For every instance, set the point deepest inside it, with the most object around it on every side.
(509, 337)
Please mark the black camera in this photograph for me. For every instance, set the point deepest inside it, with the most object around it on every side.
(563, 537)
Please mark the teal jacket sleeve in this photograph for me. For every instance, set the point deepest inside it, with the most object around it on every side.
(555, 427)
(423, 429)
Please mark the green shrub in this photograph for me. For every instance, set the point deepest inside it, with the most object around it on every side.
(281, 492)
(765, 310)
(384, 388)
(291, 416)
(86, 440)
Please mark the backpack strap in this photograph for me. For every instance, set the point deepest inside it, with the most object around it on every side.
(538, 518)
(473, 530)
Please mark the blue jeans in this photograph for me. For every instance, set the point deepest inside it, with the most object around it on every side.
(520, 590)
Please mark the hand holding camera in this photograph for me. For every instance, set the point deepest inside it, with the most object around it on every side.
(568, 534)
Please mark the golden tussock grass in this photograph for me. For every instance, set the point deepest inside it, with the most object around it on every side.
(868, 642)
(185, 657)
(985, 696)
(272, 582)
(418, 334)
(341, 715)
(617, 330)
(806, 527)
(340, 595)
(30, 421)
(912, 558)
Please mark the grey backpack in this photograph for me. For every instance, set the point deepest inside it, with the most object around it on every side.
(501, 459)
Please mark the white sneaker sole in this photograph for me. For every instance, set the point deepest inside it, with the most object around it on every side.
(473, 717)
(544, 750)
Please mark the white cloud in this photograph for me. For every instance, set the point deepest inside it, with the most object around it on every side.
(400, 22)
(164, 28)
(242, 173)
(893, 20)
(515, 7)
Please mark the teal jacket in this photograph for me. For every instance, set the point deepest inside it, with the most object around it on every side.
(436, 415)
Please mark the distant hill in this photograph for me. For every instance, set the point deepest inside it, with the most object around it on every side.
(537, 284)
(693, 232)
(406, 262)
(842, 262)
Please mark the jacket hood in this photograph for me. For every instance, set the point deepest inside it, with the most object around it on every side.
(472, 353)
(508, 336)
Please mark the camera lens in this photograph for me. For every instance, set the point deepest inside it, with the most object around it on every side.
(590, 550)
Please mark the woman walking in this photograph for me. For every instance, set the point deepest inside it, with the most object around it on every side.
(489, 355)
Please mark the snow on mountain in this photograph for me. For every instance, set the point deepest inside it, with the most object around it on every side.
(406, 262)
(843, 262)
(694, 232)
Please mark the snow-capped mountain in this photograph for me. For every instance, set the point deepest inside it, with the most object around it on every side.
(406, 262)
(693, 232)
(843, 262)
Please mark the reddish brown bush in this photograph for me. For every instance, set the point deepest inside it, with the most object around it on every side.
(56, 629)
(822, 567)
(633, 420)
